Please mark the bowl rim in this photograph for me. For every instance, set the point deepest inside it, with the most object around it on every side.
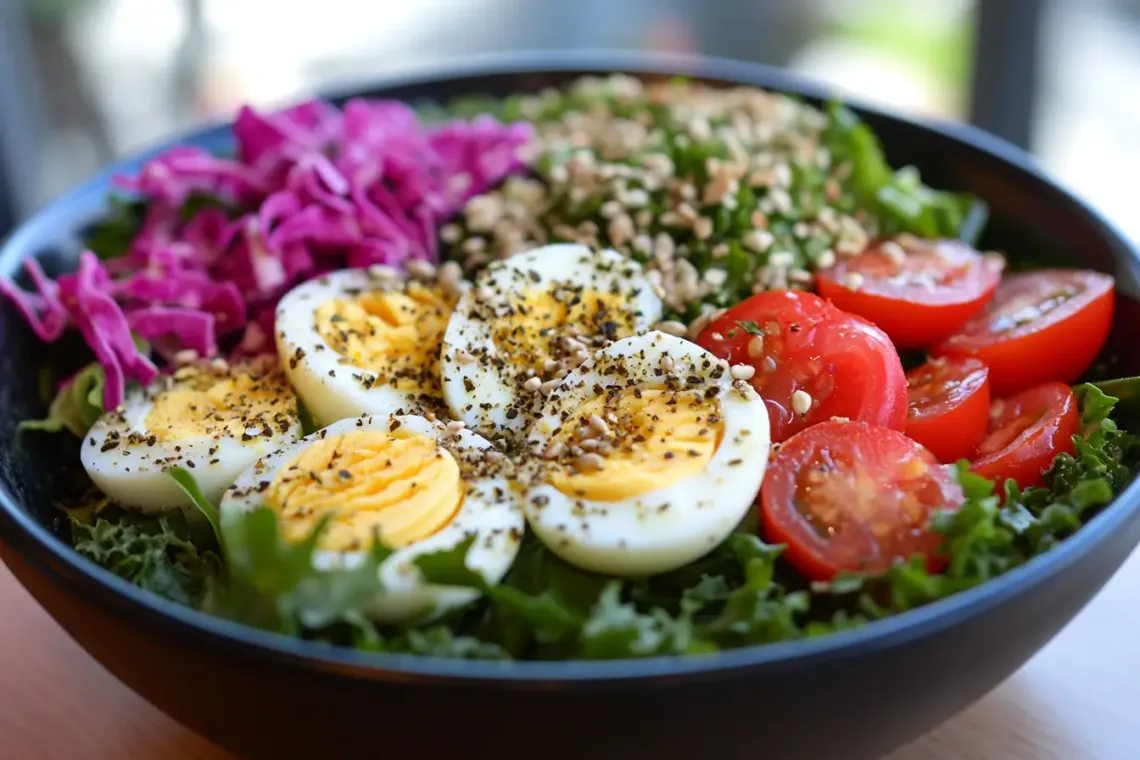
(48, 554)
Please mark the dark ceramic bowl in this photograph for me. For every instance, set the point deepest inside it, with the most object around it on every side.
(851, 695)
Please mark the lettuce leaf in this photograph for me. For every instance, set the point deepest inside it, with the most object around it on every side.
(899, 198)
(78, 404)
(157, 554)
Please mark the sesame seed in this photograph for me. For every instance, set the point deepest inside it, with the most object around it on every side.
(599, 425)
(703, 228)
(716, 277)
(801, 403)
(420, 269)
(464, 357)
(666, 363)
(588, 444)
(455, 426)
(554, 450)
(186, 356)
(853, 281)
(826, 259)
(670, 327)
(450, 273)
(756, 347)
(782, 259)
(894, 252)
(758, 241)
(383, 272)
(532, 385)
(484, 293)
(590, 462)
(549, 385)
(610, 209)
(449, 234)
(742, 371)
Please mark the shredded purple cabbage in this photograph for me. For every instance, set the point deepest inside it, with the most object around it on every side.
(312, 189)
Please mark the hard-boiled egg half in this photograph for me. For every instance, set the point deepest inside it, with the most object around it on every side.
(422, 486)
(529, 320)
(649, 455)
(212, 418)
(367, 341)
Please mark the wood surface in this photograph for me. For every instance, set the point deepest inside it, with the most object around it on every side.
(1077, 700)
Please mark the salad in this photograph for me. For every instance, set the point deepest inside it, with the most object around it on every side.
(617, 370)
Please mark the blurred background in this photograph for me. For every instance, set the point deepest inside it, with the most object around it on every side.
(83, 81)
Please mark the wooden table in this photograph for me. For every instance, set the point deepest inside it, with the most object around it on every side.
(1077, 700)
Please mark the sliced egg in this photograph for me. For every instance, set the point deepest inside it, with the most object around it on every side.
(530, 319)
(367, 341)
(422, 486)
(212, 418)
(649, 455)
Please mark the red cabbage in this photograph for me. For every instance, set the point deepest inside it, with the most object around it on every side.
(311, 189)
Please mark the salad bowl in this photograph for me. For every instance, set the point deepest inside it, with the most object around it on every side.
(853, 693)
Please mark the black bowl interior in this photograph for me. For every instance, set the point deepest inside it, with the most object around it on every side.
(1030, 217)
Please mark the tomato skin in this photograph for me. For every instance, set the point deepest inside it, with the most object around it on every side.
(846, 365)
(916, 300)
(1026, 433)
(870, 492)
(1023, 349)
(949, 406)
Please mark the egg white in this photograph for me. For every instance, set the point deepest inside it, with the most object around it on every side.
(669, 527)
(331, 387)
(491, 513)
(481, 392)
(133, 474)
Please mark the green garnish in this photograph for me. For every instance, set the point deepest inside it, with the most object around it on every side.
(76, 407)
(157, 554)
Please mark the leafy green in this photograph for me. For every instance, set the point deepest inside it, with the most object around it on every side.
(79, 404)
(112, 236)
(308, 424)
(76, 407)
(187, 483)
(272, 584)
(157, 554)
(899, 198)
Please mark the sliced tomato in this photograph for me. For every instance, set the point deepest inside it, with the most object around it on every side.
(949, 406)
(918, 294)
(856, 497)
(812, 361)
(1041, 326)
(1026, 433)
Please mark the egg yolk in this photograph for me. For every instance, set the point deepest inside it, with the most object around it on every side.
(230, 404)
(535, 327)
(406, 486)
(634, 441)
(394, 333)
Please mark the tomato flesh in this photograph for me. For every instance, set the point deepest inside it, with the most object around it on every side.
(1041, 326)
(799, 344)
(918, 293)
(848, 496)
(948, 406)
(1026, 432)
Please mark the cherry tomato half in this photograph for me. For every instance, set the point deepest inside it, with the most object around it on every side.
(1040, 326)
(812, 361)
(949, 406)
(1026, 433)
(856, 497)
(918, 294)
